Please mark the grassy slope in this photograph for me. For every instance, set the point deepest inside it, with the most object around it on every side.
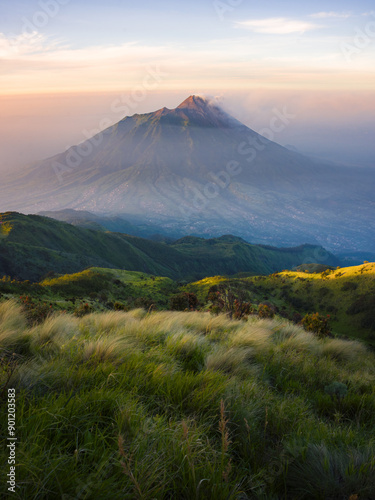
(186, 405)
(35, 245)
(31, 246)
(337, 293)
(100, 288)
(117, 286)
(347, 294)
(232, 255)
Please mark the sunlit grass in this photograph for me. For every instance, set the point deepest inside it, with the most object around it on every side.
(187, 405)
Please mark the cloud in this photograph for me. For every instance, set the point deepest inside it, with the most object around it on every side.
(26, 44)
(326, 15)
(277, 25)
(38, 64)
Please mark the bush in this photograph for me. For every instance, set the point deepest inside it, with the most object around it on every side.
(363, 303)
(183, 301)
(336, 390)
(326, 273)
(298, 303)
(224, 301)
(82, 310)
(296, 317)
(317, 324)
(349, 286)
(143, 303)
(118, 306)
(266, 311)
(36, 312)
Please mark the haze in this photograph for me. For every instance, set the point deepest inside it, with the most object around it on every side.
(334, 126)
(65, 64)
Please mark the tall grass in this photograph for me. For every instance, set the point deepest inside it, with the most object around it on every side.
(188, 406)
(51, 335)
(12, 325)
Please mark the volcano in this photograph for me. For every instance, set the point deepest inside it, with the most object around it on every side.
(195, 169)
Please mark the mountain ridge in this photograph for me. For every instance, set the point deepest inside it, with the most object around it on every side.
(31, 246)
(195, 169)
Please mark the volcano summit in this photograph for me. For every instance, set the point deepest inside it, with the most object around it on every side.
(196, 169)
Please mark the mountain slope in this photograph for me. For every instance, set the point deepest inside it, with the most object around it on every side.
(114, 223)
(195, 169)
(347, 294)
(31, 246)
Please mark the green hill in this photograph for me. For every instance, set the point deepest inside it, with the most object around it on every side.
(346, 294)
(109, 288)
(31, 246)
(185, 406)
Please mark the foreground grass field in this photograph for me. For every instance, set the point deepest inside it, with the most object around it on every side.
(185, 405)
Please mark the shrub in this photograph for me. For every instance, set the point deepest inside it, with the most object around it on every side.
(296, 317)
(317, 324)
(82, 310)
(266, 311)
(363, 303)
(143, 302)
(349, 286)
(326, 273)
(324, 291)
(183, 301)
(224, 300)
(103, 297)
(298, 303)
(36, 312)
(336, 390)
(118, 306)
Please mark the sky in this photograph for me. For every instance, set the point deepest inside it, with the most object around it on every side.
(72, 66)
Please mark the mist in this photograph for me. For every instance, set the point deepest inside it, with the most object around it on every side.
(334, 126)
(338, 127)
